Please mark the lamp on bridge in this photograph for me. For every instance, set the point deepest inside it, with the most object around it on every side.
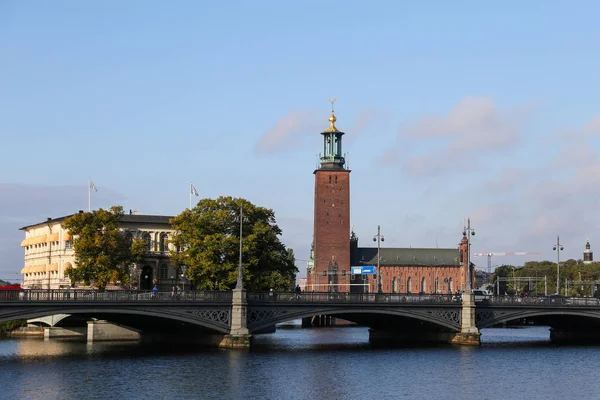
(240, 278)
(467, 233)
(558, 247)
(378, 238)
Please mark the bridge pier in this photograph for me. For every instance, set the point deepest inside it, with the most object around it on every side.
(239, 337)
(57, 332)
(106, 331)
(469, 334)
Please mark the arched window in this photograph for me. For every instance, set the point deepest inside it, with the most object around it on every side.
(129, 237)
(437, 285)
(409, 285)
(423, 285)
(450, 285)
(394, 285)
(162, 244)
(148, 240)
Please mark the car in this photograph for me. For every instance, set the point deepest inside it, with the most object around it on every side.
(481, 295)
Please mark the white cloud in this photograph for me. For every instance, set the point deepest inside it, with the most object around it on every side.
(298, 126)
(290, 130)
(474, 126)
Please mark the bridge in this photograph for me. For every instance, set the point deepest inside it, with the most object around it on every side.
(234, 316)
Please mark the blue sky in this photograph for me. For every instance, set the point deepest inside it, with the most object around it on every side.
(451, 109)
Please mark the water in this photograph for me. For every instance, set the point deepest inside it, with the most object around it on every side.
(333, 363)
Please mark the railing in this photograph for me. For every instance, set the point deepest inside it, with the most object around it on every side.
(540, 301)
(111, 295)
(333, 297)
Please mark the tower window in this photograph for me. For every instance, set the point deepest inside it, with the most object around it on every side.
(330, 179)
(336, 179)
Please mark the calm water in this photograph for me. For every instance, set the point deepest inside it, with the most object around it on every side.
(302, 364)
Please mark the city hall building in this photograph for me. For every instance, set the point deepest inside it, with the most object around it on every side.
(49, 253)
(335, 253)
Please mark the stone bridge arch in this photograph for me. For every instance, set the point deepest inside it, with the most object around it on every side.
(260, 318)
(487, 318)
(214, 319)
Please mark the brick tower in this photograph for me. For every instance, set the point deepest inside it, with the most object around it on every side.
(329, 270)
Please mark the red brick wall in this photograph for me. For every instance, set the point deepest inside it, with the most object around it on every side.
(417, 273)
(331, 228)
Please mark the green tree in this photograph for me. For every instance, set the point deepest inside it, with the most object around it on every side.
(102, 251)
(207, 239)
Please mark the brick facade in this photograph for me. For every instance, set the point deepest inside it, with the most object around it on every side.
(331, 231)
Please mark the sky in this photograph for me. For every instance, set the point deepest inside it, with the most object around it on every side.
(451, 110)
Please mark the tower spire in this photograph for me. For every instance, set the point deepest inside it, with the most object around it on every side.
(332, 157)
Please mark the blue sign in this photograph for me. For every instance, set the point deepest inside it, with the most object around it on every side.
(363, 270)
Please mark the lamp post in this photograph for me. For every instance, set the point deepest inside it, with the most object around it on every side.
(240, 283)
(468, 232)
(183, 268)
(378, 238)
(558, 247)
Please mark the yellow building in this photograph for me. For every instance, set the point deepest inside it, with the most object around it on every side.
(49, 253)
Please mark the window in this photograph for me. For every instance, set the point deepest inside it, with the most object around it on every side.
(324, 273)
(409, 285)
(437, 285)
(148, 240)
(336, 179)
(162, 245)
(68, 245)
(394, 285)
(423, 285)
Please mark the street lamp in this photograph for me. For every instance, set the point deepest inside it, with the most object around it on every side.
(468, 232)
(558, 247)
(183, 268)
(378, 238)
(240, 283)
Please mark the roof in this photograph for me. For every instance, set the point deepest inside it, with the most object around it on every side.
(407, 256)
(129, 218)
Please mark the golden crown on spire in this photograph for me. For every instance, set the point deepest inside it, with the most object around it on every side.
(332, 118)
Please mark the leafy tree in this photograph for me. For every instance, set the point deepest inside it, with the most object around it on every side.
(208, 238)
(102, 251)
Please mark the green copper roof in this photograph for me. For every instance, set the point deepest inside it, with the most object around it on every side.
(404, 256)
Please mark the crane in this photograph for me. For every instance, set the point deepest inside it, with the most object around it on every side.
(503, 253)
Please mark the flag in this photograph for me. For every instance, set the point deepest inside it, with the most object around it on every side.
(194, 191)
(92, 186)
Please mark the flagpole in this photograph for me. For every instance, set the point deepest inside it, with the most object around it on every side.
(89, 194)
(190, 195)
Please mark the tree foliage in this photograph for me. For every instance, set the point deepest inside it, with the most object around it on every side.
(581, 278)
(208, 239)
(102, 251)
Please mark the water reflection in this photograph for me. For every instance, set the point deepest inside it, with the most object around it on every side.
(301, 364)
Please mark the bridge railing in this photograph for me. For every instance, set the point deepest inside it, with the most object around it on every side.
(112, 295)
(333, 297)
(542, 300)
